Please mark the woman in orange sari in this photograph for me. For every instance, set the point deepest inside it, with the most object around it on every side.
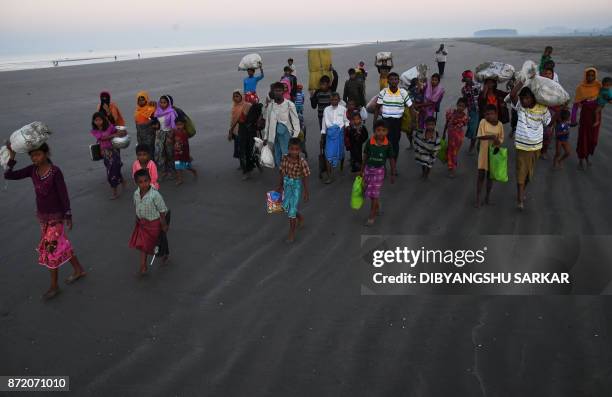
(586, 102)
(145, 109)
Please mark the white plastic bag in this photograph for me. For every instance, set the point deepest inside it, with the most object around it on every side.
(29, 137)
(258, 143)
(494, 70)
(548, 92)
(415, 72)
(267, 157)
(251, 61)
(528, 71)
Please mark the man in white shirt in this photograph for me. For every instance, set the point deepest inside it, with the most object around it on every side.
(332, 134)
(282, 122)
(441, 59)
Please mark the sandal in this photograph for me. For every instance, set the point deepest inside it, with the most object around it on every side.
(72, 279)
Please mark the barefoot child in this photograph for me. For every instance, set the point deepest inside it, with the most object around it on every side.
(53, 210)
(358, 135)
(490, 130)
(375, 155)
(426, 146)
(150, 218)
(532, 118)
(294, 172)
(182, 158)
(562, 135)
(456, 120)
(332, 134)
(143, 161)
(104, 132)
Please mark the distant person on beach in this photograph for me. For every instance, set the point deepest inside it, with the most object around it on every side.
(332, 134)
(151, 213)
(143, 161)
(532, 118)
(376, 153)
(53, 212)
(104, 132)
(110, 109)
(321, 98)
(471, 92)
(426, 147)
(250, 85)
(490, 132)
(145, 109)
(294, 173)
(604, 98)
(456, 120)
(182, 154)
(391, 103)
(546, 56)
(291, 66)
(440, 57)
(585, 103)
(282, 123)
(354, 89)
(562, 131)
(166, 116)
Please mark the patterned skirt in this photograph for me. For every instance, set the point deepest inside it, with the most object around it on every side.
(373, 178)
(54, 248)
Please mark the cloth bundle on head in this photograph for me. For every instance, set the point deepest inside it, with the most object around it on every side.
(142, 114)
(586, 90)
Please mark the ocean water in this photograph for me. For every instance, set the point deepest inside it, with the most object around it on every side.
(40, 61)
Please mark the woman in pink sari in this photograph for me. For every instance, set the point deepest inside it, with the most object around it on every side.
(434, 92)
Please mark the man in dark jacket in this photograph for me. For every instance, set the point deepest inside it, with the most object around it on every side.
(354, 89)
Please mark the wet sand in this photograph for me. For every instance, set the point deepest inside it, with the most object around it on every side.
(238, 311)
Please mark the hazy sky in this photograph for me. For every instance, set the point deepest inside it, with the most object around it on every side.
(39, 26)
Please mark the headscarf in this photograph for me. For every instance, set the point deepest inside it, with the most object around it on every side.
(238, 109)
(433, 94)
(115, 116)
(143, 114)
(587, 90)
(169, 113)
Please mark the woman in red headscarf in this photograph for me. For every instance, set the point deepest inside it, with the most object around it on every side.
(586, 101)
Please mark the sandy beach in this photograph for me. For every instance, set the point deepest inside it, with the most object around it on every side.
(238, 311)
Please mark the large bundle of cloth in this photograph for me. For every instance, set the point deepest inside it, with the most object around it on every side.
(494, 70)
(319, 65)
(415, 72)
(250, 61)
(528, 71)
(384, 58)
(547, 92)
(25, 139)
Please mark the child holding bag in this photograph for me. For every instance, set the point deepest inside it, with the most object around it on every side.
(489, 129)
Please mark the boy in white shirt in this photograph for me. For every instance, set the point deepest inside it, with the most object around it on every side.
(332, 134)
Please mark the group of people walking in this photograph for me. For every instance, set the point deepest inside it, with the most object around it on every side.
(277, 123)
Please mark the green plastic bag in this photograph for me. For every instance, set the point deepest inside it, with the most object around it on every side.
(357, 193)
(443, 149)
(498, 164)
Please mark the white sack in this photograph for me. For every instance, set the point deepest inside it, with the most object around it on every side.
(251, 61)
(494, 70)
